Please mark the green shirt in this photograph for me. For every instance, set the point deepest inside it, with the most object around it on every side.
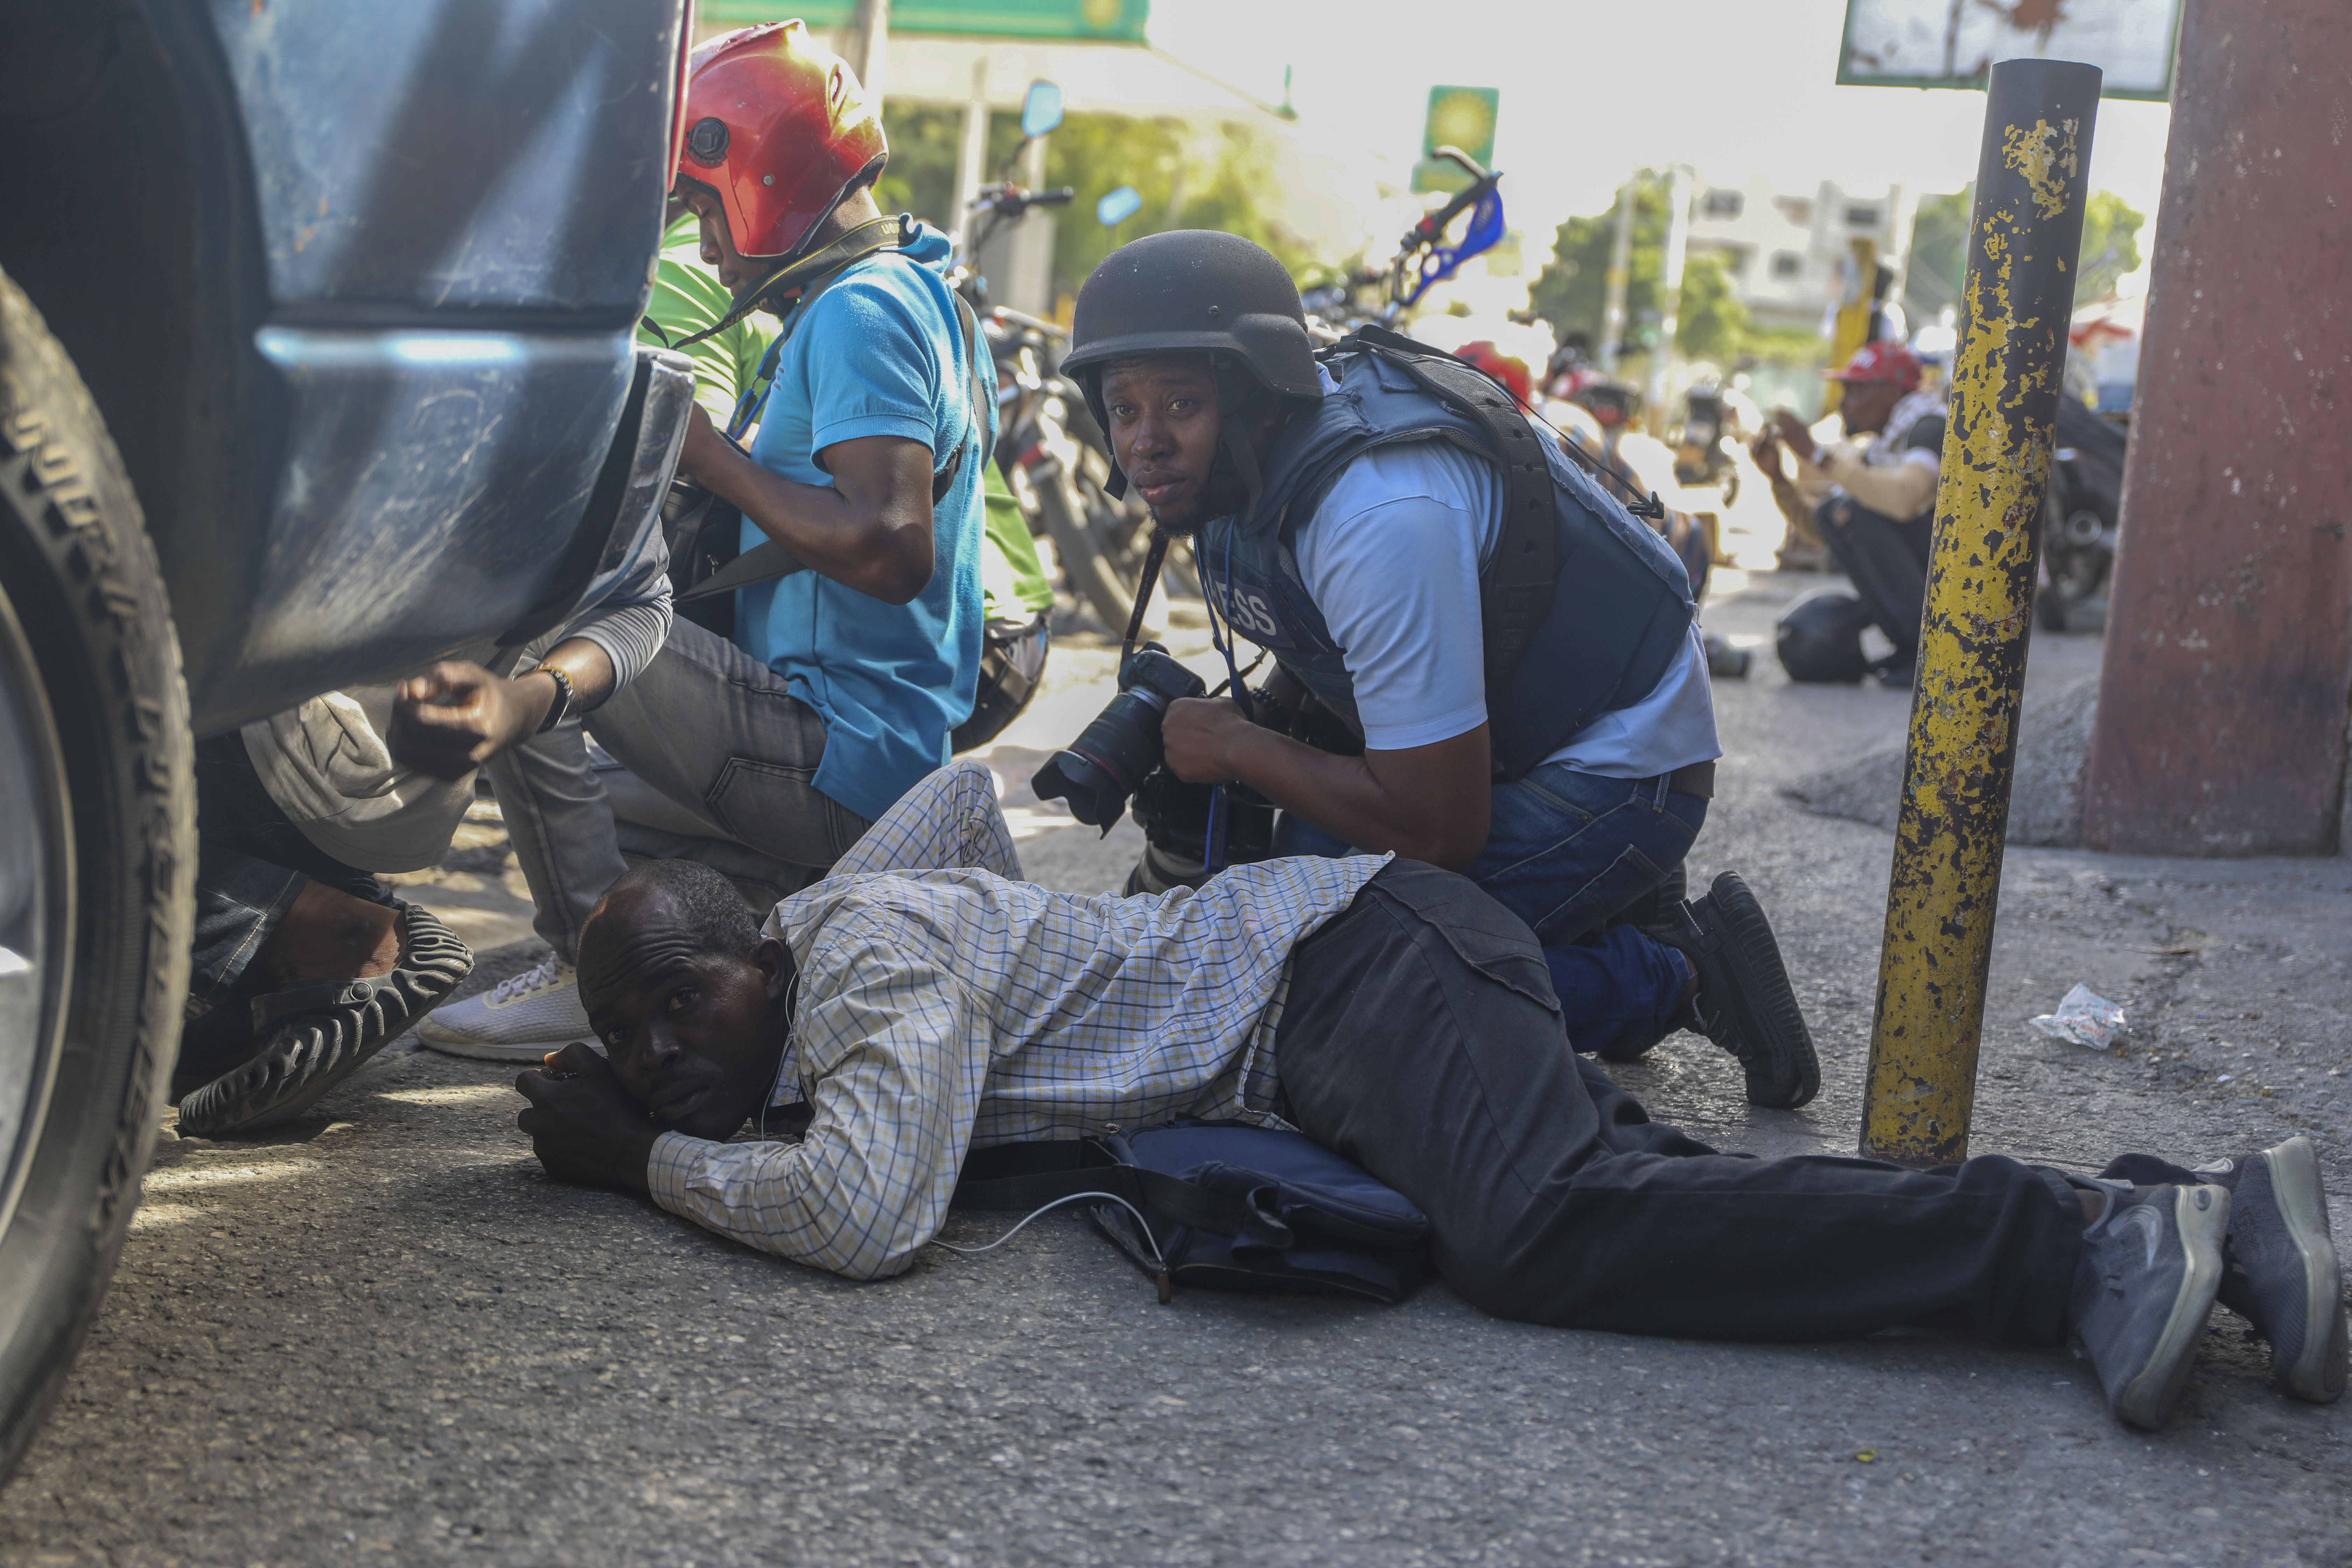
(1010, 574)
(687, 297)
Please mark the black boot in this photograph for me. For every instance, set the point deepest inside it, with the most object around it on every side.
(1744, 1003)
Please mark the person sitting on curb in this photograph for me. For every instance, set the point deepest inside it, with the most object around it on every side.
(1394, 1014)
(1874, 505)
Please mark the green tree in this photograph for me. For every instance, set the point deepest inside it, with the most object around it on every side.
(1939, 255)
(1572, 292)
(2111, 229)
(1940, 250)
(1187, 180)
(1712, 324)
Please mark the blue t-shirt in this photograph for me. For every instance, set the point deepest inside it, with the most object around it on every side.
(881, 353)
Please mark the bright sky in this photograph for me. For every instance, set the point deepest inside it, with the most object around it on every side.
(1590, 91)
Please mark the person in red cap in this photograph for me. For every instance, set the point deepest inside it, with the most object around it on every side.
(1873, 502)
(858, 614)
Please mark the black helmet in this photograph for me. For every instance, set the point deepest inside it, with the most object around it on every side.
(1194, 289)
(1820, 638)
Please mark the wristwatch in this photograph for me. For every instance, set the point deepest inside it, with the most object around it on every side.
(562, 707)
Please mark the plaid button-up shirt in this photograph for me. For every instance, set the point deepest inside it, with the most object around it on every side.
(942, 1008)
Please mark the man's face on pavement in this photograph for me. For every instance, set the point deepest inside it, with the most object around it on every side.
(1865, 405)
(693, 1037)
(1163, 429)
(718, 245)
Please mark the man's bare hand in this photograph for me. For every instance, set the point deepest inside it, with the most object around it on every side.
(456, 716)
(1198, 734)
(704, 448)
(1795, 436)
(582, 1124)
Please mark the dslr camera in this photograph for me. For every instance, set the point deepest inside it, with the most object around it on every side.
(1118, 757)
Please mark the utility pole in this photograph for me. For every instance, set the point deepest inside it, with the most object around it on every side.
(872, 48)
(1670, 292)
(971, 158)
(1951, 828)
(1621, 258)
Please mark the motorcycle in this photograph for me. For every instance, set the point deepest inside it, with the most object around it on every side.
(1054, 456)
(1705, 446)
(2080, 510)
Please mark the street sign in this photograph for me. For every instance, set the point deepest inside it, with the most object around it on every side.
(1078, 21)
(1953, 43)
(1460, 117)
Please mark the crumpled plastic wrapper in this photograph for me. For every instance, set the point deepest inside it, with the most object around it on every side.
(2083, 1018)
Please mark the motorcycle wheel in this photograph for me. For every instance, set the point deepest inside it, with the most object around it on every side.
(96, 862)
(1093, 575)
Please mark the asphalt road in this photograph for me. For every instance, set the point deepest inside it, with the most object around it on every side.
(384, 1337)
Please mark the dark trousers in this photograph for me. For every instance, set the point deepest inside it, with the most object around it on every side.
(1571, 853)
(1421, 1039)
(1887, 561)
(250, 863)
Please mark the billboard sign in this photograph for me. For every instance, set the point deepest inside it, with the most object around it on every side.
(1461, 117)
(1953, 43)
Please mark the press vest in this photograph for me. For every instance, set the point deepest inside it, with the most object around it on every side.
(1620, 609)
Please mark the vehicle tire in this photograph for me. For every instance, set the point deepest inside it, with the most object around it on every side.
(1093, 576)
(96, 862)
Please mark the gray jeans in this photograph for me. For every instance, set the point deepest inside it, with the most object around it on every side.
(713, 746)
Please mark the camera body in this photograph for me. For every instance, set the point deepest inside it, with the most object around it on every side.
(1118, 757)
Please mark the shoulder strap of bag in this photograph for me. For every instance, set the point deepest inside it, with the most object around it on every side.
(768, 561)
(1062, 1174)
(1516, 593)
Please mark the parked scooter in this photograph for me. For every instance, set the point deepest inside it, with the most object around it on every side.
(1053, 455)
(1706, 446)
(2079, 512)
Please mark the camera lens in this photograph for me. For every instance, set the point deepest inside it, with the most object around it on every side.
(1097, 771)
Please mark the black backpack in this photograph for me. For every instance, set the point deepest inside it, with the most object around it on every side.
(1222, 1204)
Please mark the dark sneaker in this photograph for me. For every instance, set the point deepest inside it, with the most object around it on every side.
(2149, 1269)
(1743, 1002)
(2280, 1272)
(317, 1035)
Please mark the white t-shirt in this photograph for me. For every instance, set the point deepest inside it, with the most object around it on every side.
(1391, 558)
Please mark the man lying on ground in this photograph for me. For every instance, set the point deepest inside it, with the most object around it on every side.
(1370, 1003)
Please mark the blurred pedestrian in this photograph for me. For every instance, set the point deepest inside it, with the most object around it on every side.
(1872, 504)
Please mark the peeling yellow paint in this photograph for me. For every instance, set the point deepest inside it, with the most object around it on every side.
(1944, 888)
(2047, 168)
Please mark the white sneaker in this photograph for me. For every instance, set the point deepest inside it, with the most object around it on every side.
(519, 1020)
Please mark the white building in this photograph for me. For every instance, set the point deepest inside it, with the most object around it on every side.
(1787, 255)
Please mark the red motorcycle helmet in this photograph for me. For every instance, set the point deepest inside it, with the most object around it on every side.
(780, 132)
(1508, 369)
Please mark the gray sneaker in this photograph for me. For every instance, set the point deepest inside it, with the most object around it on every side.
(2281, 1272)
(2149, 1269)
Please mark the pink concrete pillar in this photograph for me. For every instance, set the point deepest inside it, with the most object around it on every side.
(2228, 666)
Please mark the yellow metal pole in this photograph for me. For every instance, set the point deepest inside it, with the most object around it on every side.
(2024, 239)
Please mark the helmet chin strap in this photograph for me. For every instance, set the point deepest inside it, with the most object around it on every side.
(1240, 400)
(794, 271)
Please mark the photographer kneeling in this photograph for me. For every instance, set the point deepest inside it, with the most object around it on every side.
(1546, 730)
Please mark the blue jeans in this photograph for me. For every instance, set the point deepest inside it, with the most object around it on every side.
(1565, 852)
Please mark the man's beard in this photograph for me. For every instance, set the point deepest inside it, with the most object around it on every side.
(1221, 494)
